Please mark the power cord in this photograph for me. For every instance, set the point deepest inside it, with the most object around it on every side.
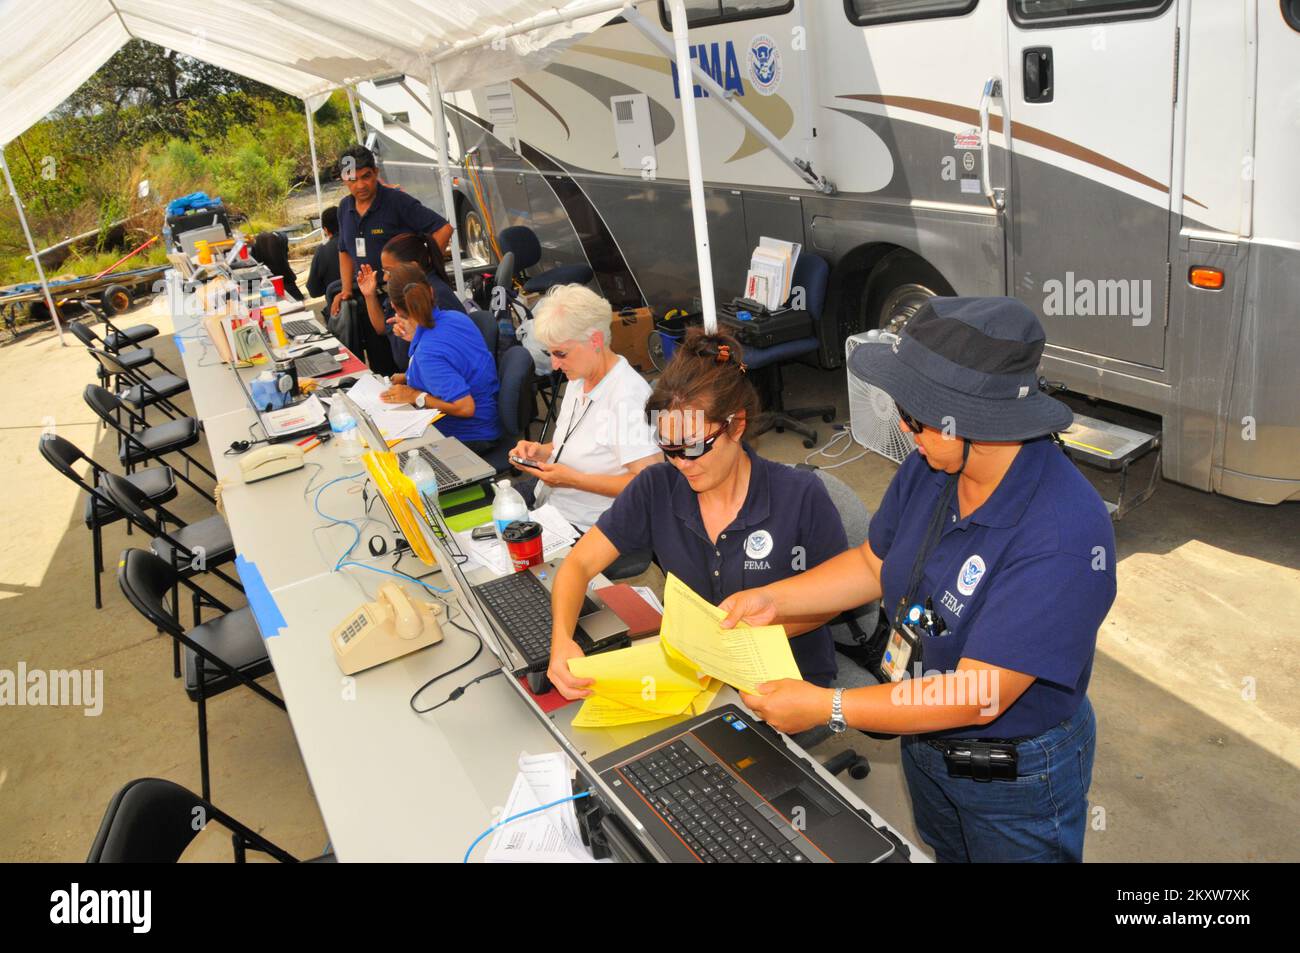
(456, 693)
(846, 436)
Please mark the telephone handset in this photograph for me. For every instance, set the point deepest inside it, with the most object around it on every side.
(388, 628)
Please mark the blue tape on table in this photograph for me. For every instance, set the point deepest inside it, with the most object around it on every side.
(269, 618)
(180, 343)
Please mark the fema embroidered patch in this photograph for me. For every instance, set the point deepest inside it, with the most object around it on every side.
(971, 574)
(758, 544)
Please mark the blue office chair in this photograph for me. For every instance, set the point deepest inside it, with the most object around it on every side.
(812, 274)
(521, 241)
(516, 404)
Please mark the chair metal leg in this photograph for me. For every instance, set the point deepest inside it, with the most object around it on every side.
(203, 739)
(97, 545)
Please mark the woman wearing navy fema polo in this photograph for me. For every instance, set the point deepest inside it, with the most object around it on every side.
(1004, 554)
(716, 514)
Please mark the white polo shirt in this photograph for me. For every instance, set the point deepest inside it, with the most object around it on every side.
(601, 433)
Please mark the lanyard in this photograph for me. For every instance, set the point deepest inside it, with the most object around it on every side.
(572, 427)
(933, 530)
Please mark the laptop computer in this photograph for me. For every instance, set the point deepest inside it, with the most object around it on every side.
(454, 464)
(723, 787)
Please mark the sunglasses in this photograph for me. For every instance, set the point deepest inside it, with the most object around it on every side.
(912, 424)
(696, 448)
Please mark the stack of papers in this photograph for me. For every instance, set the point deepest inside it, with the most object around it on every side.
(395, 422)
(550, 836)
(683, 671)
(771, 269)
(303, 416)
(557, 533)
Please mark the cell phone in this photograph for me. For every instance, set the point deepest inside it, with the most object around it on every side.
(525, 462)
(483, 532)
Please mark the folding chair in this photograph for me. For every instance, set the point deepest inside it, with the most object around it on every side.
(138, 442)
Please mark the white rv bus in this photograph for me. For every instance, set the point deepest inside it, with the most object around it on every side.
(1146, 203)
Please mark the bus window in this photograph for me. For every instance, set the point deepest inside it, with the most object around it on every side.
(866, 12)
(707, 12)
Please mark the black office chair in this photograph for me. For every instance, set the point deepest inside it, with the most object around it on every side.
(220, 654)
(138, 442)
(157, 484)
(811, 273)
(516, 404)
(138, 390)
(152, 821)
(849, 630)
(522, 242)
(486, 323)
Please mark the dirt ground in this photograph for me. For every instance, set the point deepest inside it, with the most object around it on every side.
(1194, 684)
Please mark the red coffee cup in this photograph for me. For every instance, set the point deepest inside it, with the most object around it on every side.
(277, 283)
(523, 540)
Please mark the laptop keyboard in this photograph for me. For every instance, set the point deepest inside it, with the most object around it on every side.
(296, 328)
(719, 818)
(316, 365)
(447, 478)
(522, 606)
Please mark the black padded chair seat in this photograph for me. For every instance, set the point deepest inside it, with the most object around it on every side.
(210, 536)
(235, 639)
(163, 438)
(157, 483)
(129, 336)
(563, 275)
(164, 385)
(136, 357)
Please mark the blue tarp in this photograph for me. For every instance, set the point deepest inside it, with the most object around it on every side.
(191, 202)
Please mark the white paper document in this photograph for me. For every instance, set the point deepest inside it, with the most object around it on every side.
(557, 533)
(547, 836)
(310, 413)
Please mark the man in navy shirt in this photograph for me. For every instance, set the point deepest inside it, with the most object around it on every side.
(369, 216)
(1001, 557)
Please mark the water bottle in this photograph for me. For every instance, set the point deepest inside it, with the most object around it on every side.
(508, 507)
(344, 426)
(424, 478)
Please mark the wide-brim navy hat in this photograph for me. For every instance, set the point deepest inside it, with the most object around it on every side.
(971, 361)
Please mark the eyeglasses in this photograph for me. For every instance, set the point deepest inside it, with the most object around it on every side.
(696, 448)
(912, 424)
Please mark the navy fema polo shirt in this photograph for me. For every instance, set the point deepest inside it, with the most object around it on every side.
(1023, 583)
(391, 213)
(787, 524)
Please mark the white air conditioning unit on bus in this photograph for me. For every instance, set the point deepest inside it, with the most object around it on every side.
(873, 418)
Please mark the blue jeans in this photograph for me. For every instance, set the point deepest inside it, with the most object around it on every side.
(1040, 817)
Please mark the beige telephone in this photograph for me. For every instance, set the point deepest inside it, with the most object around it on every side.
(389, 628)
(269, 461)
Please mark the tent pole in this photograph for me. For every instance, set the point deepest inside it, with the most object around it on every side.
(36, 259)
(691, 133)
(352, 106)
(315, 168)
(444, 159)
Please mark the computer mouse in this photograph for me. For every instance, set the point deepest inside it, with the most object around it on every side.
(538, 683)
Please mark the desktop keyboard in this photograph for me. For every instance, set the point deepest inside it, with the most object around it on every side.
(719, 818)
(447, 479)
(317, 365)
(522, 605)
(297, 328)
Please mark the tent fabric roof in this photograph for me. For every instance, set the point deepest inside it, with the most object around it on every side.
(305, 48)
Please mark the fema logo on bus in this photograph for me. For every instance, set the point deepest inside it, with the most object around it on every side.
(764, 64)
(970, 575)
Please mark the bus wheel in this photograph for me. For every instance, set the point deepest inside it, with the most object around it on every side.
(474, 240)
(115, 300)
(897, 288)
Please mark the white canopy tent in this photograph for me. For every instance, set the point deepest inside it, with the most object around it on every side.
(308, 48)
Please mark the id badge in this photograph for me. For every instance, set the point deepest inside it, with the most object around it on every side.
(361, 247)
(901, 651)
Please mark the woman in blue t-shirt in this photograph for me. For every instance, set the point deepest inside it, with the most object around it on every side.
(451, 369)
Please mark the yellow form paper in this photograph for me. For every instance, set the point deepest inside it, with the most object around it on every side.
(641, 677)
(742, 657)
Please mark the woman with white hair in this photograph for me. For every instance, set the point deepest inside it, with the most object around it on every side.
(601, 438)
